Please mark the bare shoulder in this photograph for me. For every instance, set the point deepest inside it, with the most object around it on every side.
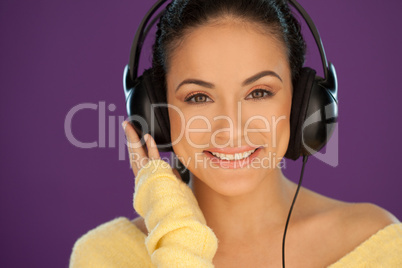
(364, 219)
(344, 225)
(356, 223)
(370, 213)
(367, 216)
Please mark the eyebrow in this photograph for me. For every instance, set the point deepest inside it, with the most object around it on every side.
(245, 83)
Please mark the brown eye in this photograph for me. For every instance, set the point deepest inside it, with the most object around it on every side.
(197, 98)
(260, 94)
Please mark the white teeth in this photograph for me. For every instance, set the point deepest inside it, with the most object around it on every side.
(237, 156)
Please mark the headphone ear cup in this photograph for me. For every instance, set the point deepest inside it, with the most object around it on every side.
(314, 112)
(148, 110)
(321, 115)
(300, 103)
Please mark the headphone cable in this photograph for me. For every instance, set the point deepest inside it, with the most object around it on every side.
(290, 210)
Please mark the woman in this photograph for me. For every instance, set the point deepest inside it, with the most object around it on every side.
(229, 69)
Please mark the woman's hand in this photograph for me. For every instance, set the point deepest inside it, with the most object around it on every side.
(139, 154)
(178, 235)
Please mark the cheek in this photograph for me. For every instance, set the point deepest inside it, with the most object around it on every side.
(190, 126)
(281, 130)
(280, 136)
(176, 134)
(176, 124)
(269, 125)
(188, 132)
(176, 119)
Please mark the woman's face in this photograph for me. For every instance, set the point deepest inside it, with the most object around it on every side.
(230, 89)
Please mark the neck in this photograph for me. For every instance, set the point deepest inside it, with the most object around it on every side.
(249, 214)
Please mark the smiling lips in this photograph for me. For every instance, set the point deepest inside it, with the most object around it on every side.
(237, 156)
(232, 153)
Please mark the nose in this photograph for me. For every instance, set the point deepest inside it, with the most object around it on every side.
(227, 125)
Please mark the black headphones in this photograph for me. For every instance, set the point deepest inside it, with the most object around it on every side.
(314, 101)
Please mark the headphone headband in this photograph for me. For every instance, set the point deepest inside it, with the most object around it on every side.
(139, 40)
(140, 36)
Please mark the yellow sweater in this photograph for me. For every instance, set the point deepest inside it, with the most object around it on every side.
(179, 236)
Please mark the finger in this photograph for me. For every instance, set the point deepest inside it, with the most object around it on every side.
(153, 152)
(137, 153)
(133, 141)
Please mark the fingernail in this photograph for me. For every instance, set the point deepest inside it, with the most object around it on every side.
(124, 124)
(146, 136)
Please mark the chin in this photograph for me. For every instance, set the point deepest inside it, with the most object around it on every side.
(232, 182)
(234, 187)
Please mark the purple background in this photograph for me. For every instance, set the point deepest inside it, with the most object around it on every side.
(58, 54)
